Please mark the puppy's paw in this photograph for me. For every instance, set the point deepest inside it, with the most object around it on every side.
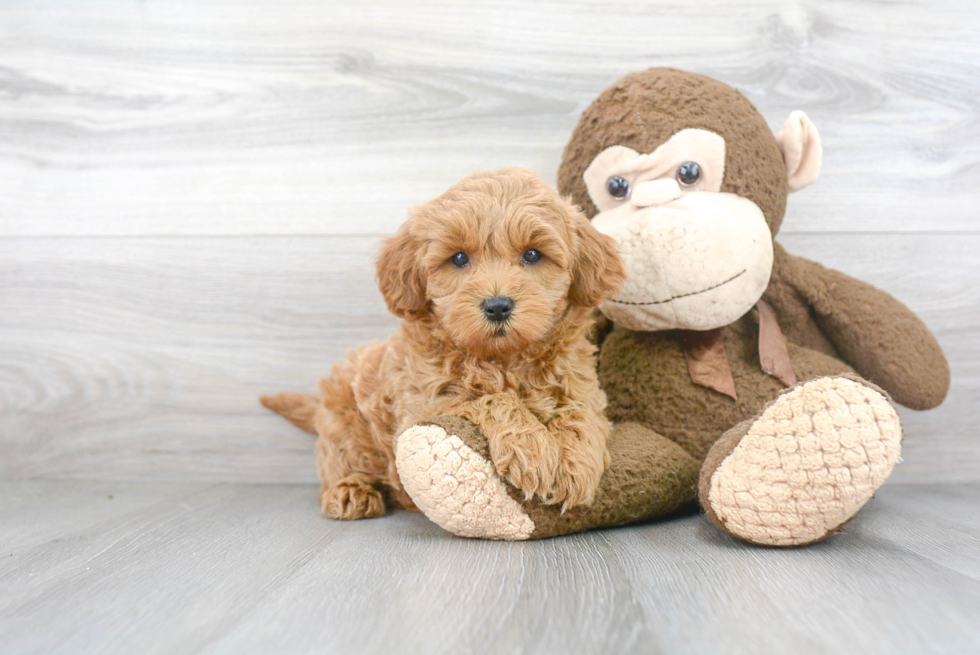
(528, 460)
(579, 472)
(354, 497)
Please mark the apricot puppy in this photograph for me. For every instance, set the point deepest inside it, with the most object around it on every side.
(494, 282)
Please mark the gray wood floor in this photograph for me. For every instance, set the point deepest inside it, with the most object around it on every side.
(125, 567)
(191, 193)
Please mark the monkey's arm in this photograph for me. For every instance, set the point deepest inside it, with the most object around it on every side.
(873, 332)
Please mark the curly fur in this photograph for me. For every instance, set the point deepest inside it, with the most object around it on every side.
(531, 385)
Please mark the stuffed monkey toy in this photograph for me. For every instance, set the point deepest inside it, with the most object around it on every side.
(755, 382)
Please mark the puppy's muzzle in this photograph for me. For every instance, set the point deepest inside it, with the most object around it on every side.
(498, 310)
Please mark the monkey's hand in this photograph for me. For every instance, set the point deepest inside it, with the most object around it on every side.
(873, 332)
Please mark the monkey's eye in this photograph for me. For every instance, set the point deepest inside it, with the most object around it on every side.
(459, 260)
(688, 173)
(618, 187)
(532, 257)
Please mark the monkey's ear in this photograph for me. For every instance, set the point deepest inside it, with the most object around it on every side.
(802, 150)
(597, 271)
(400, 276)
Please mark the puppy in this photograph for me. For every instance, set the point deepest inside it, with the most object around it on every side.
(495, 282)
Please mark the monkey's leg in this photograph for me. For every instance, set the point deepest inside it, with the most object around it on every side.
(444, 465)
(805, 465)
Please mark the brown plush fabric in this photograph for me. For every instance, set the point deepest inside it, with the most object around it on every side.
(646, 380)
(875, 333)
(649, 476)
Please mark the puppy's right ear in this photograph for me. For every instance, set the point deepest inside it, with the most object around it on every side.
(598, 272)
(400, 275)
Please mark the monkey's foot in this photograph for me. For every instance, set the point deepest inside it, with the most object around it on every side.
(444, 469)
(805, 466)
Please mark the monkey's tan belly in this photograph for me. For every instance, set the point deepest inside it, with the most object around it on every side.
(646, 379)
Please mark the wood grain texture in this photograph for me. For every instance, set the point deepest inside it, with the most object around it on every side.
(143, 358)
(190, 192)
(115, 567)
(313, 117)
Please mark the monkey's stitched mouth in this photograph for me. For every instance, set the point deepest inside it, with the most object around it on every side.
(683, 295)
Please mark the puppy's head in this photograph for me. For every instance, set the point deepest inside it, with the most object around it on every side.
(496, 261)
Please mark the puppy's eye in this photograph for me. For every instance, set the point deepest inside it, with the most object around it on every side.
(532, 257)
(618, 187)
(459, 260)
(688, 173)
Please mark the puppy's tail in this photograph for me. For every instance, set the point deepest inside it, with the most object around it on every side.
(300, 410)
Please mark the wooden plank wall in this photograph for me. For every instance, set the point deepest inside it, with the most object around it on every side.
(191, 192)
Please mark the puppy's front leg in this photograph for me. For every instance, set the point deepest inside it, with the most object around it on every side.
(522, 450)
(581, 434)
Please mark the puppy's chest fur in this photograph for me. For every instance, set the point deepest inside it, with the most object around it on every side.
(416, 381)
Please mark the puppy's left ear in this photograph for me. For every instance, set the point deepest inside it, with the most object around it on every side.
(400, 275)
(597, 271)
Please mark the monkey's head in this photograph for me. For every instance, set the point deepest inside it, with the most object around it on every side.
(683, 172)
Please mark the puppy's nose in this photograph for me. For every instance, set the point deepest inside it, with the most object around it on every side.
(498, 309)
